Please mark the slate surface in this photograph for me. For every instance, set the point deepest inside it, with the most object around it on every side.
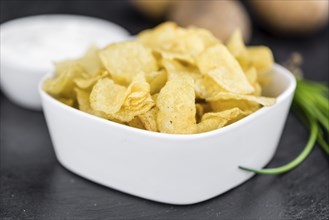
(33, 185)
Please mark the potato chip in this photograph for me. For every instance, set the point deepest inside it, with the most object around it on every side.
(165, 32)
(176, 103)
(157, 80)
(136, 123)
(106, 96)
(125, 114)
(86, 82)
(265, 101)
(174, 66)
(124, 60)
(207, 37)
(173, 42)
(149, 119)
(258, 89)
(63, 84)
(62, 67)
(186, 47)
(205, 86)
(238, 49)
(83, 99)
(138, 100)
(170, 54)
(193, 43)
(245, 106)
(66, 101)
(214, 120)
(222, 67)
(252, 77)
(236, 45)
(91, 62)
(246, 103)
(137, 92)
(260, 57)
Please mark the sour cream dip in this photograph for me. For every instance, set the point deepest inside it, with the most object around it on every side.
(30, 46)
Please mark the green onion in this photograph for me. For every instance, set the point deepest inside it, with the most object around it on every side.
(311, 105)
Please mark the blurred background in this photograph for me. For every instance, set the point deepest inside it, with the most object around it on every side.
(285, 26)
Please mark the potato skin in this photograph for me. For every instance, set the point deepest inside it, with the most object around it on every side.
(153, 9)
(291, 16)
(220, 17)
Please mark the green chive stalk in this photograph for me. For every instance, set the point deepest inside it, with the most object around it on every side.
(311, 106)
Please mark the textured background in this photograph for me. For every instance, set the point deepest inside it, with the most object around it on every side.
(34, 185)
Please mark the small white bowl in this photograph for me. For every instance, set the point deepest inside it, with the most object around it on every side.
(26, 55)
(175, 169)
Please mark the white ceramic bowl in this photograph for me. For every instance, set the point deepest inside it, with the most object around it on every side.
(19, 76)
(175, 169)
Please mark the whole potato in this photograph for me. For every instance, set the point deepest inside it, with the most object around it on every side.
(153, 9)
(291, 16)
(220, 17)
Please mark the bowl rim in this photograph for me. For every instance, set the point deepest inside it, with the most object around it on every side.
(178, 137)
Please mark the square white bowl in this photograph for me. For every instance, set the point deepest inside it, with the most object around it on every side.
(174, 169)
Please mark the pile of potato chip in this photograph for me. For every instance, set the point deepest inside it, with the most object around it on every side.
(169, 79)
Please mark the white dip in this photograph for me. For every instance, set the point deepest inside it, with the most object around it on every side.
(36, 42)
